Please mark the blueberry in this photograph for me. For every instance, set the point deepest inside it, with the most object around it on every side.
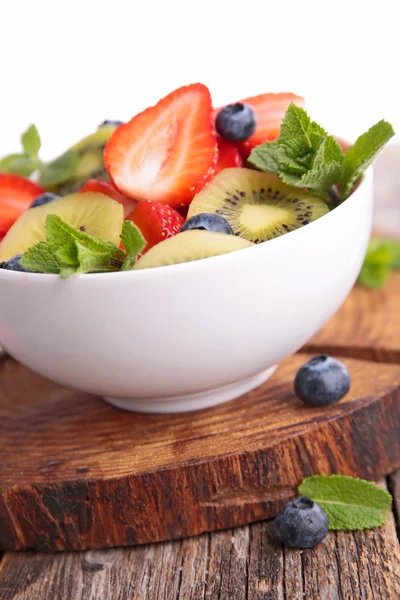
(322, 380)
(12, 264)
(301, 524)
(209, 222)
(43, 199)
(236, 122)
(110, 123)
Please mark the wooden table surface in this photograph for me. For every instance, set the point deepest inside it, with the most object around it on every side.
(245, 563)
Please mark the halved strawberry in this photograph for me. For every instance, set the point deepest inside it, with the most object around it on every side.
(166, 153)
(156, 221)
(270, 110)
(107, 188)
(16, 196)
(228, 156)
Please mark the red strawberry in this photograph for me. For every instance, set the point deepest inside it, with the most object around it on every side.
(166, 153)
(107, 188)
(228, 156)
(270, 110)
(156, 221)
(16, 196)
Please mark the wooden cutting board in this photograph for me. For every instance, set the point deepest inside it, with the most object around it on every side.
(76, 473)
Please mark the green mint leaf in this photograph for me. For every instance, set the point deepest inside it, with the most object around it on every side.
(265, 157)
(80, 252)
(6, 161)
(383, 255)
(393, 247)
(60, 170)
(324, 171)
(374, 276)
(67, 254)
(350, 504)
(67, 272)
(132, 239)
(91, 261)
(23, 165)
(133, 242)
(30, 141)
(299, 135)
(362, 154)
(304, 155)
(40, 258)
(60, 233)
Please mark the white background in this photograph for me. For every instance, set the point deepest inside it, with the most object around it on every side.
(68, 65)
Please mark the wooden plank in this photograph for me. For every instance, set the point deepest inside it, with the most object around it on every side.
(246, 563)
(171, 476)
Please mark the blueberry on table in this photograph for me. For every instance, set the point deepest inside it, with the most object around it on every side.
(12, 264)
(236, 122)
(110, 123)
(301, 523)
(208, 222)
(322, 380)
(43, 199)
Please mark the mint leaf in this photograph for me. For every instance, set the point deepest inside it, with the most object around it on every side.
(132, 238)
(304, 155)
(61, 234)
(299, 135)
(393, 247)
(6, 161)
(374, 276)
(23, 166)
(383, 255)
(60, 170)
(265, 157)
(40, 258)
(30, 141)
(325, 168)
(133, 242)
(362, 154)
(350, 504)
(79, 252)
(91, 261)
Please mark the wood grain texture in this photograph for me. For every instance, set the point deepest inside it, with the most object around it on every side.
(367, 326)
(245, 563)
(77, 473)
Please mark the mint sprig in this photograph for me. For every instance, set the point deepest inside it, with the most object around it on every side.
(306, 156)
(382, 257)
(26, 162)
(133, 242)
(350, 504)
(68, 251)
(362, 154)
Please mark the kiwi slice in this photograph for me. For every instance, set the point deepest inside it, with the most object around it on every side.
(190, 245)
(90, 162)
(258, 206)
(95, 213)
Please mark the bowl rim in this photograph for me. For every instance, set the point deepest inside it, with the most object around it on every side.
(181, 268)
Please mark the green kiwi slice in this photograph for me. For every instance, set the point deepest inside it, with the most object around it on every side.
(258, 206)
(190, 245)
(90, 162)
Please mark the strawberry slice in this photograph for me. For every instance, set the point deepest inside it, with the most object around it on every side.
(107, 188)
(156, 221)
(16, 196)
(270, 110)
(166, 153)
(228, 156)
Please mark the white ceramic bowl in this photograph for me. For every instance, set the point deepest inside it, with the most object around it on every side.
(192, 335)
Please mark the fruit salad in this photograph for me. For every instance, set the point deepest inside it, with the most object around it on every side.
(180, 181)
